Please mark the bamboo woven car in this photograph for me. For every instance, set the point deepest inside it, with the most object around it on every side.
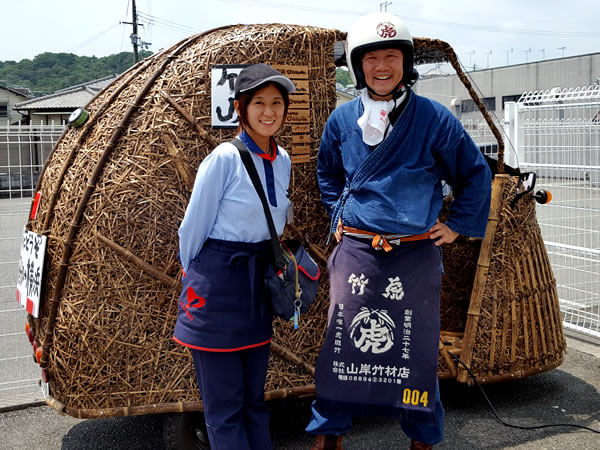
(115, 189)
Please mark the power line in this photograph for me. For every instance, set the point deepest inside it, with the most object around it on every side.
(185, 31)
(148, 29)
(298, 7)
(163, 23)
(93, 38)
(465, 26)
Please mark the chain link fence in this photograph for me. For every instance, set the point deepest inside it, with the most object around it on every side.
(557, 135)
(23, 151)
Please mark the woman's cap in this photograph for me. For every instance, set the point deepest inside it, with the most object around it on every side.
(253, 76)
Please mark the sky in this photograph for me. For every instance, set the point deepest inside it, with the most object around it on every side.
(483, 33)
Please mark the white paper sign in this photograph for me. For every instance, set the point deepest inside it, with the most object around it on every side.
(45, 387)
(223, 78)
(30, 272)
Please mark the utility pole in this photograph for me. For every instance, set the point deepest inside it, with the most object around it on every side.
(471, 53)
(543, 52)
(135, 39)
(527, 52)
(383, 6)
(488, 53)
(134, 35)
(563, 51)
(507, 52)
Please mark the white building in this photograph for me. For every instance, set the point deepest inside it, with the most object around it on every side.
(498, 85)
(9, 97)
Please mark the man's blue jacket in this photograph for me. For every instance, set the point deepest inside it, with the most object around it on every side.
(396, 187)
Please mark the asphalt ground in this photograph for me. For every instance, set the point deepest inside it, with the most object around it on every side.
(567, 394)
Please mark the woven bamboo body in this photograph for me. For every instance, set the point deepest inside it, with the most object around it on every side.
(115, 190)
(500, 310)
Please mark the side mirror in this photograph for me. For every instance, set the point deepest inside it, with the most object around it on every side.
(526, 185)
(526, 182)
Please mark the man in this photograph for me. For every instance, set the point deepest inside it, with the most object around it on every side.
(381, 164)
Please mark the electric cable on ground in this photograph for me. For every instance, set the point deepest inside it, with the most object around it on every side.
(534, 427)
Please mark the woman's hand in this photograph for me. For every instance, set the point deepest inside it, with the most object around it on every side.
(338, 231)
(442, 234)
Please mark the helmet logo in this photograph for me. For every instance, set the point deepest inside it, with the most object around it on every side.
(386, 30)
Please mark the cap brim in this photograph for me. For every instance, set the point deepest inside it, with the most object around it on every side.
(279, 79)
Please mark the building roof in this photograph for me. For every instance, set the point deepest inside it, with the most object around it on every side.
(70, 98)
(348, 93)
(345, 94)
(434, 72)
(23, 92)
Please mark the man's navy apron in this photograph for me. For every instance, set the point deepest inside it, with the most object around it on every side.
(222, 305)
(381, 345)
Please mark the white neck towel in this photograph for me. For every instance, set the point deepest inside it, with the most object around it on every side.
(374, 121)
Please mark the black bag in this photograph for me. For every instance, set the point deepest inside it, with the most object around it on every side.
(292, 289)
(292, 280)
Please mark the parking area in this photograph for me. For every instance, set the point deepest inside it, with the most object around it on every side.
(569, 394)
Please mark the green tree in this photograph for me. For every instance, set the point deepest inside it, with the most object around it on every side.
(49, 72)
(342, 76)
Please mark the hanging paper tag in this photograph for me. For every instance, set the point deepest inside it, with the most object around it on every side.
(30, 271)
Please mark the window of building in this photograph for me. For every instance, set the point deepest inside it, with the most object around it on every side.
(467, 106)
(509, 98)
(3, 110)
(490, 103)
(489, 149)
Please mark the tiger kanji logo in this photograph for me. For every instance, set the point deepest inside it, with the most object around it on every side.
(386, 30)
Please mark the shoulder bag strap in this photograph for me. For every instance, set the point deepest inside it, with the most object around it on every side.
(247, 160)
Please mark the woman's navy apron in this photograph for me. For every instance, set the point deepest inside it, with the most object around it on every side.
(222, 305)
(381, 345)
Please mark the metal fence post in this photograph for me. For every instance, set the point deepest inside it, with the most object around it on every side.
(514, 153)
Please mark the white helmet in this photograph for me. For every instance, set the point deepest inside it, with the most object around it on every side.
(375, 31)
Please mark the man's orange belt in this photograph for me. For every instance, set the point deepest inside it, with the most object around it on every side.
(384, 241)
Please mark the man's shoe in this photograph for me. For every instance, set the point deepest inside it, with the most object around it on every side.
(327, 442)
(416, 445)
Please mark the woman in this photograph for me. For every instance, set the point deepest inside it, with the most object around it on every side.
(224, 248)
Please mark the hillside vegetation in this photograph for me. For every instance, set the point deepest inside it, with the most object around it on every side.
(50, 72)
